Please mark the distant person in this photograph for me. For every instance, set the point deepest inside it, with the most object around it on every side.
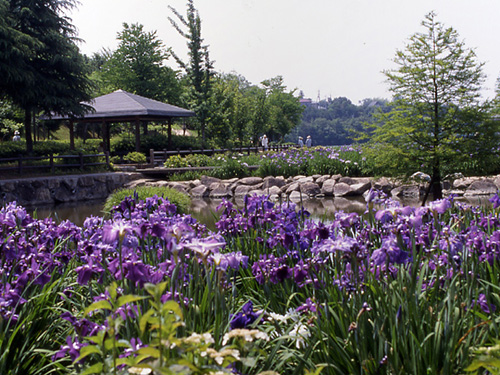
(16, 137)
(301, 142)
(265, 142)
(309, 141)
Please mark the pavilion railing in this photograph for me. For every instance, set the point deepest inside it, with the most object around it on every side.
(157, 157)
(23, 164)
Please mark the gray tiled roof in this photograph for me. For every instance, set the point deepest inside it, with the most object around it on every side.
(124, 104)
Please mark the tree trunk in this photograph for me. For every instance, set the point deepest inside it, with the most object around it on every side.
(27, 130)
(436, 189)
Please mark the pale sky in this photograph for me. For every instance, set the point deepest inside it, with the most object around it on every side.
(326, 48)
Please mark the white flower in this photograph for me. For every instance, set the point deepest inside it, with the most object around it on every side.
(299, 333)
(248, 334)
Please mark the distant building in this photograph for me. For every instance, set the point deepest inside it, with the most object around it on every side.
(305, 102)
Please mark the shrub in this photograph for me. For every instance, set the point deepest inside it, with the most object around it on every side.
(230, 167)
(155, 141)
(187, 176)
(175, 161)
(135, 157)
(182, 201)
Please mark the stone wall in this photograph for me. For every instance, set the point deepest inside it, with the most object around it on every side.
(317, 186)
(59, 189)
(80, 188)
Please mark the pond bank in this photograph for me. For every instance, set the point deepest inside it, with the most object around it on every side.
(300, 188)
(50, 190)
(53, 190)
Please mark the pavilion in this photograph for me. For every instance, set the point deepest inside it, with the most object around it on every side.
(122, 106)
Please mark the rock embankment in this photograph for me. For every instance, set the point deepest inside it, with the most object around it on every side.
(317, 186)
(61, 189)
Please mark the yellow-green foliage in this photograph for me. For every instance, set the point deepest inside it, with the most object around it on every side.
(182, 201)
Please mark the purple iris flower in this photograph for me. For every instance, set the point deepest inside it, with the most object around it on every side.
(495, 200)
(440, 206)
(115, 231)
(308, 307)
(389, 252)
(483, 304)
(245, 317)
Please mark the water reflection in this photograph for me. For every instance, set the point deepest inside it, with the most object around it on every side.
(205, 210)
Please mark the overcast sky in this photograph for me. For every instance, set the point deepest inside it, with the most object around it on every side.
(326, 48)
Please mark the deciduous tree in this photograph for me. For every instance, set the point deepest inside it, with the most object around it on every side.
(138, 66)
(437, 119)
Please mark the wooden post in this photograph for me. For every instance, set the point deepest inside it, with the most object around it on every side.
(169, 133)
(152, 158)
(106, 153)
(80, 157)
(52, 167)
(137, 136)
(105, 136)
(71, 135)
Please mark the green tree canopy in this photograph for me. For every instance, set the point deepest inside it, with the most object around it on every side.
(284, 108)
(437, 121)
(137, 66)
(40, 64)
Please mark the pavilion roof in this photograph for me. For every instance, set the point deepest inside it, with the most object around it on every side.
(122, 105)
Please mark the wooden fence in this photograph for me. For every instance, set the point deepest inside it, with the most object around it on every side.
(22, 163)
(159, 157)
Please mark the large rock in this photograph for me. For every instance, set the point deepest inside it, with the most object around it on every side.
(273, 181)
(200, 191)
(481, 187)
(310, 189)
(463, 183)
(207, 180)
(361, 187)
(273, 190)
(251, 181)
(383, 184)
(321, 179)
(294, 186)
(305, 180)
(296, 196)
(242, 190)
(219, 190)
(347, 180)
(327, 187)
(341, 189)
(406, 191)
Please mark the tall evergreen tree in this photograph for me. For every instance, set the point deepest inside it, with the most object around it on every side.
(199, 69)
(437, 118)
(40, 64)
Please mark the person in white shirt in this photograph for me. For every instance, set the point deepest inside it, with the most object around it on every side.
(16, 137)
(265, 142)
(309, 141)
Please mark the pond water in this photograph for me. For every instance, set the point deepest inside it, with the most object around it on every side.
(204, 210)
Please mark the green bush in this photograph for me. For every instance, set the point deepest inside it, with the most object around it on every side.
(175, 161)
(187, 176)
(155, 141)
(229, 168)
(43, 148)
(182, 201)
(135, 157)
